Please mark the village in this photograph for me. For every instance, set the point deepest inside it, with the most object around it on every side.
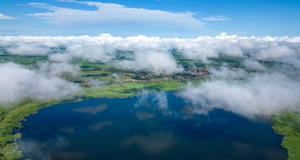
(138, 76)
(190, 73)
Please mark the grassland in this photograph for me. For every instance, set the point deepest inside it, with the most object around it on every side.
(288, 124)
(128, 89)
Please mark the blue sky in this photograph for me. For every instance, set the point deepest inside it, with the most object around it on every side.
(164, 18)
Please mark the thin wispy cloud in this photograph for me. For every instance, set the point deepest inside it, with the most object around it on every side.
(2, 16)
(216, 18)
(109, 14)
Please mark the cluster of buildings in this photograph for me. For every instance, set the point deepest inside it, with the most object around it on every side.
(142, 76)
(190, 73)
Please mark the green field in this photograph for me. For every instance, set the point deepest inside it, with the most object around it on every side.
(288, 124)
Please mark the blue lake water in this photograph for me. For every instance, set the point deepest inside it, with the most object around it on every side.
(159, 126)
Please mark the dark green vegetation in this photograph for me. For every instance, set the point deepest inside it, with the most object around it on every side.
(288, 124)
(130, 83)
(24, 60)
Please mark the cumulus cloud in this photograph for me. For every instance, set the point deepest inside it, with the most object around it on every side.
(216, 18)
(257, 94)
(59, 57)
(157, 62)
(20, 83)
(91, 51)
(274, 52)
(6, 17)
(58, 69)
(291, 60)
(245, 92)
(226, 73)
(254, 65)
(154, 53)
(28, 49)
(109, 14)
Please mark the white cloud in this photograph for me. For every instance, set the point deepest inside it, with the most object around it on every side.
(265, 92)
(254, 65)
(91, 51)
(59, 57)
(153, 53)
(20, 83)
(109, 14)
(2, 17)
(157, 62)
(216, 18)
(28, 49)
(226, 73)
(292, 60)
(257, 94)
(275, 52)
(58, 69)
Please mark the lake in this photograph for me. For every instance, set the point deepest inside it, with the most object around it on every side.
(150, 126)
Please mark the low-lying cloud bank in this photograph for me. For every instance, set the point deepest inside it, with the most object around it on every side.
(154, 53)
(157, 62)
(19, 83)
(247, 94)
(58, 69)
(256, 90)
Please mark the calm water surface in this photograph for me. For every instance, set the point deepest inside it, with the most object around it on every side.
(157, 126)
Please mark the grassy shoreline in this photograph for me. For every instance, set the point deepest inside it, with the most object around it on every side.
(287, 123)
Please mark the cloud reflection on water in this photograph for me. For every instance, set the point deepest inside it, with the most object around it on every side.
(91, 110)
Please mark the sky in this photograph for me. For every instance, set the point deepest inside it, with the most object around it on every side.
(163, 18)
